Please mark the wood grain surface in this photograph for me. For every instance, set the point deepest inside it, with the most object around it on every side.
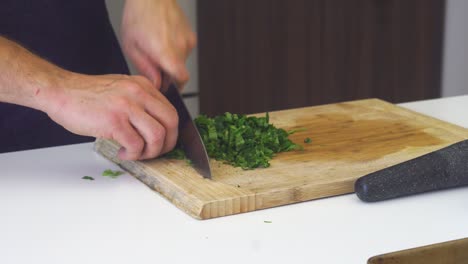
(349, 140)
(451, 252)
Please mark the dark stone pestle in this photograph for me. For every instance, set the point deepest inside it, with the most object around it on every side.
(438, 170)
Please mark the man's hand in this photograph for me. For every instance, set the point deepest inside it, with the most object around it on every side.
(127, 109)
(157, 37)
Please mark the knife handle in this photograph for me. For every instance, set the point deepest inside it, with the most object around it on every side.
(441, 169)
(450, 252)
(166, 81)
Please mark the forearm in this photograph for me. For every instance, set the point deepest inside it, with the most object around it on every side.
(26, 79)
(127, 109)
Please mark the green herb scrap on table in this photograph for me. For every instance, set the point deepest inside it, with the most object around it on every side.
(107, 173)
(241, 141)
(112, 174)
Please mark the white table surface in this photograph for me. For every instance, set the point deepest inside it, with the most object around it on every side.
(48, 214)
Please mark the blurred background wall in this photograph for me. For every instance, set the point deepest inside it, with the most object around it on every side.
(455, 53)
(263, 55)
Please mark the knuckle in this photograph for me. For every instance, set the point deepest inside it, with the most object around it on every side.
(172, 112)
(155, 143)
(145, 81)
(113, 119)
(158, 137)
(107, 133)
(141, 79)
(121, 103)
(134, 88)
(135, 145)
(173, 121)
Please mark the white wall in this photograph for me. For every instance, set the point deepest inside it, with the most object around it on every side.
(115, 8)
(455, 58)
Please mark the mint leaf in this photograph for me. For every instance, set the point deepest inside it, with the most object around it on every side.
(241, 141)
(112, 174)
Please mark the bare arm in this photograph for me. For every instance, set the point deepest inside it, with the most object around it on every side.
(24, 76)
(128, 109)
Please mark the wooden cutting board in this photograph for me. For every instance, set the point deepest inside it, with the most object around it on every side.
(349, 140)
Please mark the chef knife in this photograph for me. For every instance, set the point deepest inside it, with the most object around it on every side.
(189, 137)
(441, 169)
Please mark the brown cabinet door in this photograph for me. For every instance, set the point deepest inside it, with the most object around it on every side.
(264, 55)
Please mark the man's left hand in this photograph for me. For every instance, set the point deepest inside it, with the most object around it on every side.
(157, 38)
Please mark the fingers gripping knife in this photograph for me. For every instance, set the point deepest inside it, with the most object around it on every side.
(189, 137)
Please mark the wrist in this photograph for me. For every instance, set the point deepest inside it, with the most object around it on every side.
(26, 79)
(50, 95)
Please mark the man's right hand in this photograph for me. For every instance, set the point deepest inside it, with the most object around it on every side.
(127, 109)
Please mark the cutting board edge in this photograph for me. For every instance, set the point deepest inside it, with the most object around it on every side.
(280, 197)
(234, 201)
(227, 207)
(107, 149)
(304, 193)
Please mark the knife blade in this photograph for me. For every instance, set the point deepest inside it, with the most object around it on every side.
(189, 136)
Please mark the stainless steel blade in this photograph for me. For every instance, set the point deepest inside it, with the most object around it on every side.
(188, 132)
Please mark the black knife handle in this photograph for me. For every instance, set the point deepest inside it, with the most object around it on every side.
(441, 169)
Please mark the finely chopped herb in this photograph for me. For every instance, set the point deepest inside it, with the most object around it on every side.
(241, 141)
(112, 174)
(176, 153)
(87, 178)
(307, 140)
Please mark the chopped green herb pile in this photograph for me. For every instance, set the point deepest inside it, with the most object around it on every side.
(241, 141)
(307, 140)
(112, 174)
(267, 222)
(176, 153)
(87, 178)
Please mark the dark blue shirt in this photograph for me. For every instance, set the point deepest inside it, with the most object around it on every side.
(73, 34)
